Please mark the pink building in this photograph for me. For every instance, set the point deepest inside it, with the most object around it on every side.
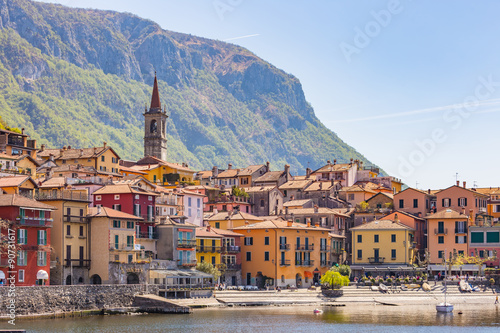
(460, 198)
(415, 202)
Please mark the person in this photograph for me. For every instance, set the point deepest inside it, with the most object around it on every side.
(496, 299)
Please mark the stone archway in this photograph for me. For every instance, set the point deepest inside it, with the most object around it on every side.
(95, 279)
(132, 278)
(69, 280)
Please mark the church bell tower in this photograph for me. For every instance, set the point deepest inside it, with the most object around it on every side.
(155, 127)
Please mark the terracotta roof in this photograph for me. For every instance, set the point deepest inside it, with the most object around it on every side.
(300, 177)
(249, 170)
(74, 153)
(417, 190)
(203, 232)
(69, 167)
(405, 213)
(270, 176)
(171, 222)
(234, 216)
(463, 188)
(7, 156)
(334, 167)
(447, 213)
(227, 233)
(229, 173)
(200, 187)
(296, 202)
(20, 201)
(334, 235)
(154, 160)
(155, 98)
(10, 181)
(382, 224)
(388, 195)
(54, 182)
(310, 211)
(187, 192)
(121, 188)
(357, 188)
(280, 224)
(259, 189)
(295, 184)
(111, 213)
(205, 174)
(126, 169)
(320, 186)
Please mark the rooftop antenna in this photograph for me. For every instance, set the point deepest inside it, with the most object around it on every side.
(416, 185)
(456, 176)
(475, 184)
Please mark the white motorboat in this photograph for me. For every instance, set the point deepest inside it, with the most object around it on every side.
(444, 307)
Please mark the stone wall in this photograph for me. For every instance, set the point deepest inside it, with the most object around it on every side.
(49, 299)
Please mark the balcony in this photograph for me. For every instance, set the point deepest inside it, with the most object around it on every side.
(443, 231)
(33, 222)
(186, 243)
(75, 219)
(146, 235)
(211, 249)
(187, 263)
(31, 247)
(304, 247)
(233, 267)
(324, 263)
(460, 230)
(336, 251)
(376, 260)
(324, 248)
(122, 247)
(231, 249)
(76, 262)
(285, 247)
(286, 262)
(304, 262)
(62, 195)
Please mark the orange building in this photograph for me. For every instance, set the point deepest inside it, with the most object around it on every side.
(283, 253)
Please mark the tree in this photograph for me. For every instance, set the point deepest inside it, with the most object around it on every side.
(334, 279)
(362, 206)
(344, 270)
(208, 268)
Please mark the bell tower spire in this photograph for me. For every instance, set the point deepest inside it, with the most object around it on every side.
(155, 127)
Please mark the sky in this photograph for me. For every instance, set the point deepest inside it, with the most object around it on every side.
(413, 86)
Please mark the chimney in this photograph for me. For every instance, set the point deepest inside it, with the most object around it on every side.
(69, 147)
(292, 197)
(316, 208)
(471, 215)
(351, 161)
(104, 144)
(419, 214)
(458, 182)
(229, 166)
(95, 150)
(429, 191)
(334, 162)
(364, 220)
(42, 147)
(51, 157)
(64, 148)
(329, 162)
(463, 210)
(289, 223)
(396, 219)
(308, 223)
(247, 223)
(465, 183)
(308, 172)
(267, 167)
(98, 209)
(286, 211)
(215, 171)
(208, 227)
(287, 172)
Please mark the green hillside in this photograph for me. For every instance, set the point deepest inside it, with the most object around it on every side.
(80, 77)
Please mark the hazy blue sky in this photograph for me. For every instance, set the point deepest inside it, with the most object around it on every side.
(414, 86)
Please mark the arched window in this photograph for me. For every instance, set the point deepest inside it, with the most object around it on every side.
(153, 127)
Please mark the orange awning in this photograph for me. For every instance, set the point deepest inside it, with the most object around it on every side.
(308, 274)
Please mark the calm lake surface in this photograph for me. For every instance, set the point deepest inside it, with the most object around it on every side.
(352, 318)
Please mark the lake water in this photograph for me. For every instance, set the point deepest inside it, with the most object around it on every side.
(352, 318)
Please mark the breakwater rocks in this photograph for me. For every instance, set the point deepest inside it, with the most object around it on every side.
(55, 299)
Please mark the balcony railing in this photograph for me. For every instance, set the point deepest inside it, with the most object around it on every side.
(231, 249)
(286, 262)
(122, 247)
(460, 230)
(62, 195)
(146, 217)
(212, 249)
(438, 231)
(309, 247)
(376, 260)
(186, 243)
(324, 248)
(75, 219)
(77, 262)
(285, 247)
(304, 262)
(30, 247)
(336, 251)
(147, 235)
(233, 267)
(324, 263)
(187, 263)
(34, 222)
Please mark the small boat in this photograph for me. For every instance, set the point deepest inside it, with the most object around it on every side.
(383, 288)
(318, 311)
(444, 307)
(464, 286)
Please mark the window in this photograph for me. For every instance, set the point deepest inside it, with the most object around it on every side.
(415, 203)
(441, 227)
(266, 256)
(393, 238)
(249, 256)
(481, 253)
(248, 240)
(137, 197)
(266, 240)
(460, 227)
(393, 254)
(401, 203)
(446, 202)
(189, 212)
(492, 237)
(202, 258)
(130, 241)
(198, 202)
(217, 225)
(22, 236)
(462, 202)
(375, 238)
(360, 238)
(262, 203)
(117, 207)
(41, 258)
(117, 197)
(130, 258)
(116, 224)
(440, 254)
(97, 198)
(213, 261)
(189, 202)
(360, 254)
(130, 225)
(42, 237)
(460, 239)
(350, 197)
(81, 231)
(102, 158)
(68, 230)
(477, 237)
(440, 239)
(22, 258)
(20, 275)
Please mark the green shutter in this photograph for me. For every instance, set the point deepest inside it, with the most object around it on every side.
(25, 236)
(18, 236)
(45, 238)
(492, 237)
(38, 237)
(477, 237)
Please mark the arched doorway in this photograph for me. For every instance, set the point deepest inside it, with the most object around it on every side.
(298, 280)
(68, 280)
(132, 278)
(95, 279)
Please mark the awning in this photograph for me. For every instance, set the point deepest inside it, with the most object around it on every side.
(308, 274)
(2, 275)
(463, 268)
(172, 273)
(42, 275)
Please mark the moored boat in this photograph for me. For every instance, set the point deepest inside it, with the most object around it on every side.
(444, 307)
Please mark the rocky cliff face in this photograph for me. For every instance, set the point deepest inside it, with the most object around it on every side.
(226, 104)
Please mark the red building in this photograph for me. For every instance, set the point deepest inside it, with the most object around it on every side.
(132, 200)
(30, 222)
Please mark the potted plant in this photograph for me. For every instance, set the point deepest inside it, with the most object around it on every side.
(389, 280)
(492, 282)
(407, 280)
(398, 281)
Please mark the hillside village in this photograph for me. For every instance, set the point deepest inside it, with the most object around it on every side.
(83, 215)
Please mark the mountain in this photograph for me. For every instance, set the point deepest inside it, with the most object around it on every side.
(80, 77)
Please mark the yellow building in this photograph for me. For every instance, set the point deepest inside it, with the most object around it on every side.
(164, 173)
(208, 246)
(383, 243)
(70, 234)
(104, 159)
(230, 220)
(113, 243)
(22, 185)
(289, 254)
